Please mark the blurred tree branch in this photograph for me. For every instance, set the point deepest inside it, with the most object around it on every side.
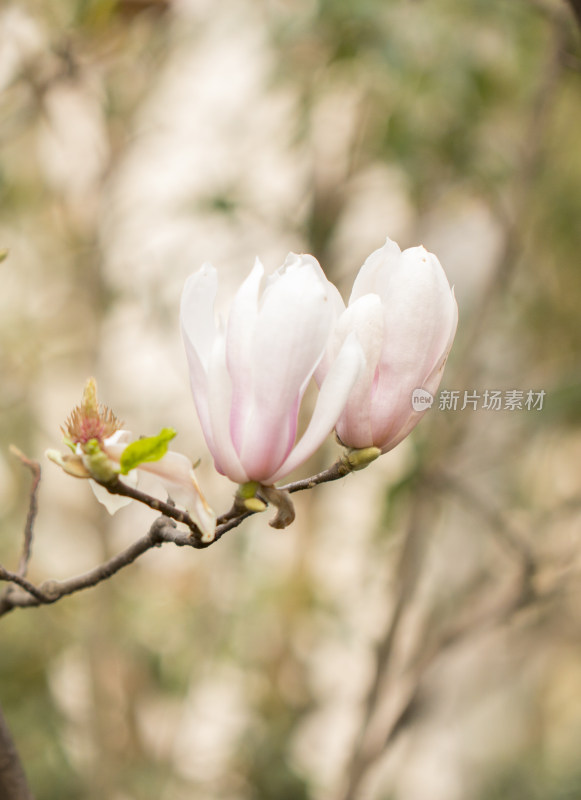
(393, 695)
(13, 785)
(576, 8)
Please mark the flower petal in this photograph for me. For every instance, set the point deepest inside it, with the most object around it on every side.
(294, 320)
(373, 275)
(365, 317)
(220, 407)
(197, 311)
(420, 311)
(333, 395)
(177, 475)
(112, 502)
(199, 332)
(430, 384)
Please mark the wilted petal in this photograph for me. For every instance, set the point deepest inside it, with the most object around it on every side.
(178, 477)
(176, 473)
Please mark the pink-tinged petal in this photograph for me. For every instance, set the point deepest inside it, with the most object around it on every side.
(430, 384)
(197, 311)
(365, 318)
(242, 319)
(332, 398)
(334, 295)
(239, 349)
(220, 408)
(432, 380)
(371, 278)
(420, 311)
(293, 324)
(177, 475)
(199, 331)
(199, 387)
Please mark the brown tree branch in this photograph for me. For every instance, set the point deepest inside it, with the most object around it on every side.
(410, 564)
(509, 539)
(575, 6)
(405, 692)
(167, 509)
(163, 530)
(13, 785)
(34, 467)
(337, 470)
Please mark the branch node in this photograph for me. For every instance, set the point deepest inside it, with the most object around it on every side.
(51, 590)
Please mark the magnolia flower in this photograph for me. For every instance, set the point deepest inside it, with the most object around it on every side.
(248, 376)
(99, 443)
(404, 315)
(174, 471)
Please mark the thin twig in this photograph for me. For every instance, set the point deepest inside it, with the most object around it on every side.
(407, 690)
(237, 513)
(163, 530)
(168, 510)
(50, 591)
(15, 577)
(34, 467)
(410, 563)
(333, 473)
(508, 538)
(526, 171)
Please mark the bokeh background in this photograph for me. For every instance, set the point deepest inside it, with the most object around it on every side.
(416, 634)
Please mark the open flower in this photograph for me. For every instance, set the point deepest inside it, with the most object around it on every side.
(405, 316)
(102, 450)
(248, 376)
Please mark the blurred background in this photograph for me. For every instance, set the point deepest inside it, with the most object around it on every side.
(416, 634)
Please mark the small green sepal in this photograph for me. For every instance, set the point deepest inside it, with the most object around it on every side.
(359, 459)
(98, 463)
(71, 464)
(150, 448)
(70, 444)
(254, 504)
(248, 490)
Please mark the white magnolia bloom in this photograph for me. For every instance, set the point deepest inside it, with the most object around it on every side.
(249, 375)
(404, 314)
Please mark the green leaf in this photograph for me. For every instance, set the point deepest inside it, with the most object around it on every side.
(150, 448)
